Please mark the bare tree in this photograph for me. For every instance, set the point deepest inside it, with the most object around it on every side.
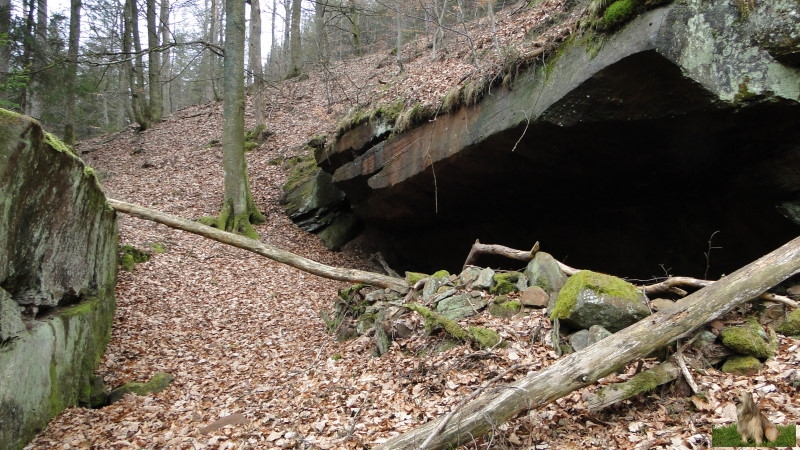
(238, 211)
(256, 68)
(295, 49)
(72, 70)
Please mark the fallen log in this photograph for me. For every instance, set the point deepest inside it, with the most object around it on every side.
(299, 262)
(586, 366)
(641, 383)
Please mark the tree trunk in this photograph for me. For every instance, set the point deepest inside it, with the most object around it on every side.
(166, 66)
(295, 50)
(156, 105)
(72, 71)
(323, 46)
(38, 62)
(255, 62)
(355, 22)
(5, 44)
(135, 69)
(585, 367)
(281, 256)
(238, 210)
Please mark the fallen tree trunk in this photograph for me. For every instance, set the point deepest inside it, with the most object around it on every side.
(585, 367)
(281, 256)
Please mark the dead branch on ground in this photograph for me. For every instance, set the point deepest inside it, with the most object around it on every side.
(276, 254)
(586, 366)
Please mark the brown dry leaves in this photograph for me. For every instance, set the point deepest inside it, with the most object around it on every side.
(253, 364)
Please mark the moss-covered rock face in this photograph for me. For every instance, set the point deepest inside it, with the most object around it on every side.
(312, 201)
(589, 298)
(58, 267)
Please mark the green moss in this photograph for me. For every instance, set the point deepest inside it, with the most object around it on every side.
(158, 382)
(413, 277)
(618, 13)
(744, 94)
(57, 144)
(413, 117)
(387, 113)
(88, 172)
(434, 321)
(728, 436)
(748, 339)
(240, 224)
(452, 100)
(129, 256)
(504, 283)
(441, 274)
(790, 326)
(474, 91)
(158, 247)
(600, 283)
(301, 168)
(484, 337)
(502, 307)
(742, 365)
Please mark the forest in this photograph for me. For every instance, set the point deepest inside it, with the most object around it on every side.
(108, 64)
(156, 97)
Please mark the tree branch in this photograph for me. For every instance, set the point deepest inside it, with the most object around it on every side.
(281, 256)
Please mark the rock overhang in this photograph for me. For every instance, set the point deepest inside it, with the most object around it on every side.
(677, 128)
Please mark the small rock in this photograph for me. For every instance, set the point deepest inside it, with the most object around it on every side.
(660, 303)
(485, 279)
(534, 296)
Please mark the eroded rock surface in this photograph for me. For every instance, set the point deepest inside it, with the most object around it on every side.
(627, 156)
(58, 241)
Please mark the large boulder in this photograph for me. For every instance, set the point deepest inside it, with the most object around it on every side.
(590, 298)
(58, 241)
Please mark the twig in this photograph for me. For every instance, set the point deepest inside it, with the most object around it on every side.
(685, 371)
(463, 401)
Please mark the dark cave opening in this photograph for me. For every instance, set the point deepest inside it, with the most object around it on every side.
(694, 195)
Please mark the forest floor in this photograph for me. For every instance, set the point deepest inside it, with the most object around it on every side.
(254, 365)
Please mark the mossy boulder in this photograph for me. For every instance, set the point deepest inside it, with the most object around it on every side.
(749, 339)
(590, 298)
(483, 337)
(742, 365)
(504, 283)
(790, 326)
(503, 307)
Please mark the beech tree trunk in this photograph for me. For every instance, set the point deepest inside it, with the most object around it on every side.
(585, 367)
(239, 211)
(281, 256)
(255, 62)
(71, 74)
